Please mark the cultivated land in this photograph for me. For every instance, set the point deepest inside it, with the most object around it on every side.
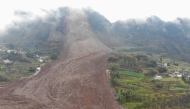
(138, 89)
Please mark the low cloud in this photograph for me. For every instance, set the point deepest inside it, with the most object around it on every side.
(20, 13)
(26, 21)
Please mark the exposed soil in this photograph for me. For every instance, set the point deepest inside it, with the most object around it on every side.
(77, 80)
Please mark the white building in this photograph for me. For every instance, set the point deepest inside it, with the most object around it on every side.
(176, 72)
(37, 56)
(38, 68)
(179, 75)
(165, 65)
(7, 61)
(40, 60)
(157, 77)
(107, 71)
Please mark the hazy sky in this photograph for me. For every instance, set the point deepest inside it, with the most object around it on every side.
(112, 9)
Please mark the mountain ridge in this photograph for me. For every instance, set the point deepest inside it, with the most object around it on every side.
(76, 80)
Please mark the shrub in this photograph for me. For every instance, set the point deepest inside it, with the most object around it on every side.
(3, 78)
(159, 85)
(162, 69)
(151, 64)
(31, 69)
(54, 56)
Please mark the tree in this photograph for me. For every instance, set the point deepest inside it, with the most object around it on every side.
(151, 64)
(160, 59)
(54, 56)
(3, 78)
(168, 64)
(29, 55)
(112, 59)
(10, 46)
(162, 69)
(31, 69)
(176, 64)
(114, 67)
(152, 72)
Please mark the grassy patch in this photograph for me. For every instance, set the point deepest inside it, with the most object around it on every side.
(131, 105)
(176, 88)
(48, 60)
(174, 68)
(35, 63)
(166, 60)
(2, 66)
(169, 79)
(2, 73)
(130, 73)
(188, 69)
(129, 80)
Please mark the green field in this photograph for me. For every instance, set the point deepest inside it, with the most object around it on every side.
(130, 73)
(2, 66)
(145, 88)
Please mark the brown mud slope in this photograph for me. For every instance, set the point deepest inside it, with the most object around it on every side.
(76, 81)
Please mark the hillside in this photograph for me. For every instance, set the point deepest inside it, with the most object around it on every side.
(83, 40)
(150, 35)
(76, 80)
(37, 32)
(155, 36)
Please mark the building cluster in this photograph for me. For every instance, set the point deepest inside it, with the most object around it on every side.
(175, 74)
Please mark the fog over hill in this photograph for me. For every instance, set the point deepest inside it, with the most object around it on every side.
(151, 33)
(78, 79)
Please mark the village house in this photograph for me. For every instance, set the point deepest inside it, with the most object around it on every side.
(42, 57)
(9, 51)
(176, 72)
(7, 61)
(12, 70)
(107, 71)
(172, 75)
(187, 78)
(38, 68)
(22, 52)
(36, 56)
(179, 75)
(40, 60)
(184, 72)
(157, 77)
(165, 65)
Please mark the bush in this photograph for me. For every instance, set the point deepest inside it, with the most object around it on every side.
(162, 69)
(114, 82)
(10, 46)
(151, 64)
(3, 78)
(159, 85)
(54, 56)
(176, 64)
(30, 55)
(24, 60)
(112, 59)
(31, 69)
